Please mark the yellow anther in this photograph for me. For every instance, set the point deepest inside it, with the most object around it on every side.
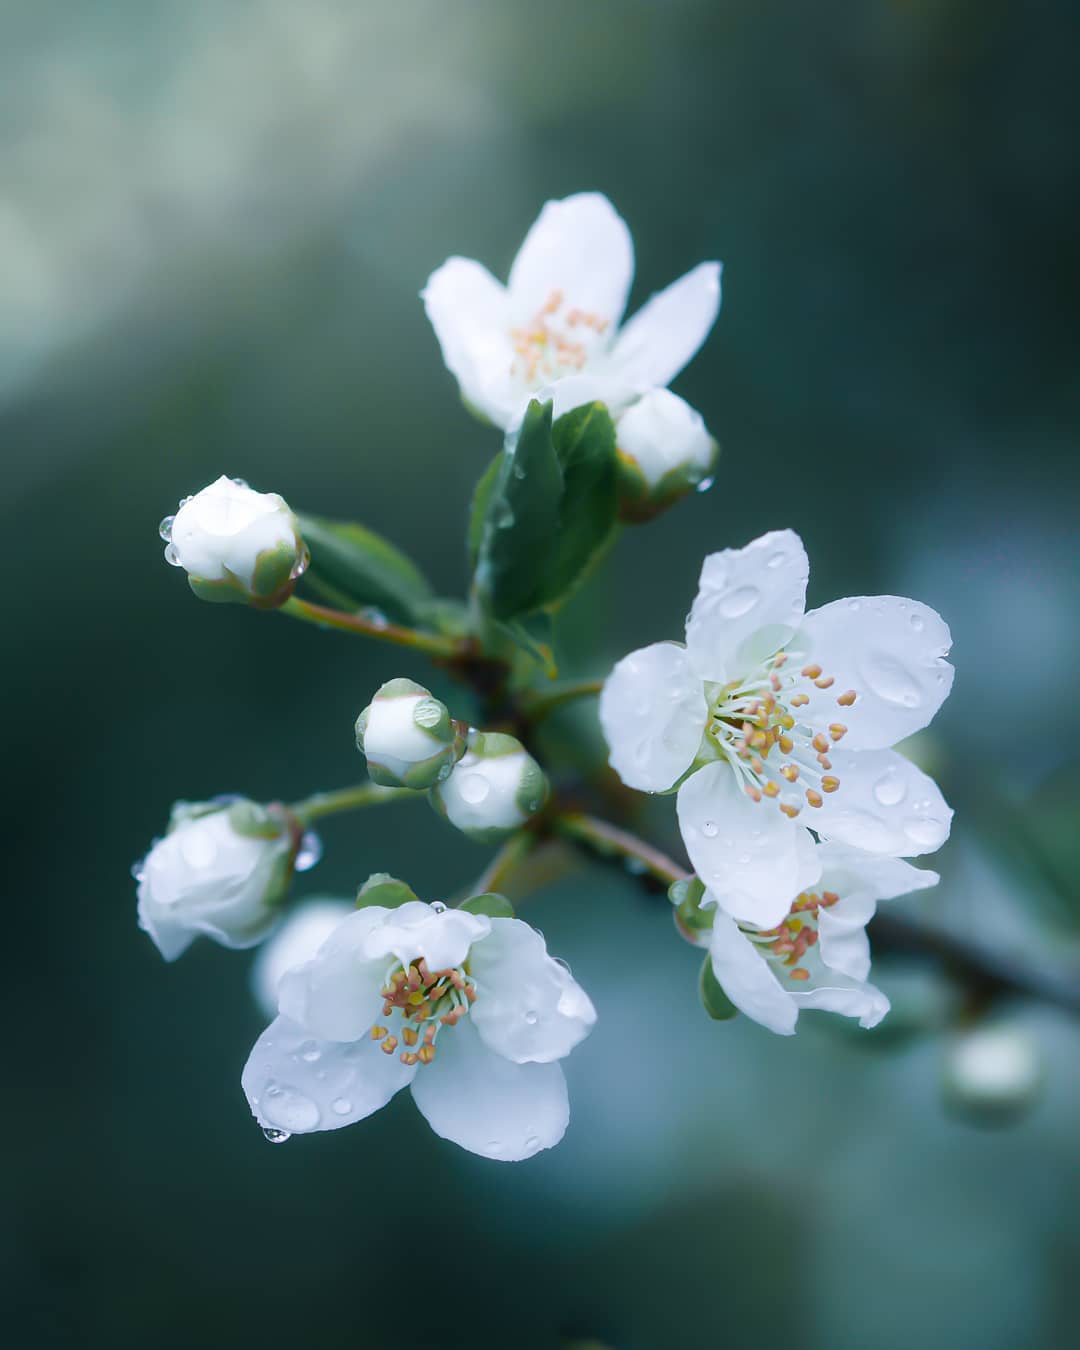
(787, 744)
(793, 925)
(800, 700)
(790, 772)
(830, 783)
(826, 682)
(814, 798)
(791, 811)
(389, 1045)
(425, 1055)
(824, 761)
(377, 1033)
(752, 792)
(837, 730)
(416, 998)
(829, 897)
(811, 672)
(786, 721)
(799, 973)
(820, 743)
(846, 699)
(771, 789)
(408, 1057)
(410, 1035)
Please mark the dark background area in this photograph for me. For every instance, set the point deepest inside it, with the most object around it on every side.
(214, 222)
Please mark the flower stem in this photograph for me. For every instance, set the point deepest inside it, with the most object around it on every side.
(347, 799)
(369, 626)
(537, 706)
(607, 840)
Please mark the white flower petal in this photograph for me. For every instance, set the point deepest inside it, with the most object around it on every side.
(335, 995)
(487, 1104)
(415, 930)
(225, 527)
(470, 313)
(574, 390)
(860, 880)
(669, 329)
(884, 804)
(652, 710)
(751, 857)
(747, 980)
(661, 433)
(579, 246)
(529, 1008)
(864, 1001)
(295, 941)
(891, 652)
(300, 1084)
(749, 602)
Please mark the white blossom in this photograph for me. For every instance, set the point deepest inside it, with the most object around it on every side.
(554, 329)
(664, 452)
(236, 544)
(818, 956)
(296, 940)
(768, 711)
(493, 789)
(408, 736)
(467, 1010)
(212, 875)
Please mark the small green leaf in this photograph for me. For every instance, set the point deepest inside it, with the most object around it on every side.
(481, 504)
(715, 1002)
(383, 889)
(584, 441)
(353, 565)
(494, 906)
(533, 634)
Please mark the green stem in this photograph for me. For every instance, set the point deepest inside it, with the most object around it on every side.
(324, 617)
(537, 706)
(347, 799)
(607, 840)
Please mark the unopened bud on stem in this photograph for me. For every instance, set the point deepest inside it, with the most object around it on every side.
(493, 789)
(408, 737)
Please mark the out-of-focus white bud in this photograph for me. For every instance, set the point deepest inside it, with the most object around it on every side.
(993, 1073)
(408, 737)
(295, 941)
(222, 870)
(236, 544)
(664, 452)
(493, 789)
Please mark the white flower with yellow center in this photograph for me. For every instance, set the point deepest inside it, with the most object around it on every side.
(780, 719)
(469, 1011)
(554, 328)
(818, 956)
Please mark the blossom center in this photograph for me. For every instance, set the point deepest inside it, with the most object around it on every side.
(424, 1001)
(754, 724)
(557, 341)
(786, 945)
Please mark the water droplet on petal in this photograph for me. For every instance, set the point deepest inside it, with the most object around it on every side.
(493, 1148)
(504, 515)
(184, 500)
(777, 559)
(309, 852)
(438, 907)
(890, 789)
(917, 622)
(888, 679)
(341, 1106)
(310, 1051)
(287, 1109)
(532, 1143)
(853, 604)
(739, 602)
(532, 1017)
(705, 484)
(165, 528)
(171, 556)
(925, 831)
(275, 1136)
(474, 788)
(241, 482)
(138, 869)
(710, 829)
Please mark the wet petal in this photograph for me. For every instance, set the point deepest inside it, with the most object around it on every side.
(298, 1083)
(864, 1001)
(747, 980)
(884, 804)
(652, 710)
(749, 602)
(414, 930)
(488, 1104)
(887, 650)
(470, 313)
(669, 329)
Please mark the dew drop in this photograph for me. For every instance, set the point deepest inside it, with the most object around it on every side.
(275, 1136)
(705, 485)
(138, 870)
(777, 559)
(171, 555)
(890, 789)
(532, 1017)
(309, 852)
(287, 1109)
(504, 515)
(853, 604)
(474, 788)
(917, 622)
(184, 500)
(532, 1143)
(438, 907)
(341, 1106)
(241, 482)
(710, 829)
(519, 471)
(165, 528)
(925, 831)
(890, 681)
(739, 602)
(493, 1148)
(310, 1051)
(375, 617)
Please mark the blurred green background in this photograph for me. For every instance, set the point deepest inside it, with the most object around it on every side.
(214, 221)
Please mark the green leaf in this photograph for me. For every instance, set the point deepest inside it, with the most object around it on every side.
(493, 905)
(353, 565)
(383, 889)
(544, 510)
(533, 634)
(715, 1002)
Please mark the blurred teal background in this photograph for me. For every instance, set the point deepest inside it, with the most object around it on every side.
(214, 221)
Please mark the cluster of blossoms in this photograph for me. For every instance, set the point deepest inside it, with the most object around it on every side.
(773, 725)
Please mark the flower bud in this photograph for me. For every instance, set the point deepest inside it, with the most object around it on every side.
(493, 789)
(297, 940)
(222, 869)
(236, 544)
(992, 1074)
(408, 737)
(664, 452)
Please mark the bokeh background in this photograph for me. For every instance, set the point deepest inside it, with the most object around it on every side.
(214, 221)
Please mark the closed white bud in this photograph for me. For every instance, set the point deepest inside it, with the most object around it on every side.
(408, 737)
(296, 940)
(222, 870)
(236, 544)
(993, 1073)
(493, 789)
(664, 452)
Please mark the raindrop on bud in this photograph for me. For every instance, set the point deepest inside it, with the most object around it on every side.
(275, 1136)
(309, 852)
(165, 528)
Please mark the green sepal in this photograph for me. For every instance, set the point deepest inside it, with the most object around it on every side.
(225, 592)
(255, 821)
(639, 503)
(713, 999)
(363, 568)
(493, 905)
(690, 919)
(383, 889)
